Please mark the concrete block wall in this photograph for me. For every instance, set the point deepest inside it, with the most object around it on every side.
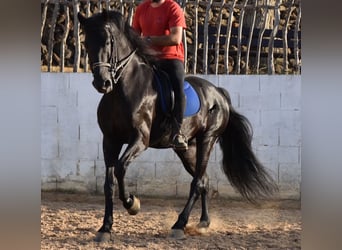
(71, 142)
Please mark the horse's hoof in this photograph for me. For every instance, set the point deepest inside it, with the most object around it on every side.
(135, 208)
(102, 237)
(177, 234)
(203, 226)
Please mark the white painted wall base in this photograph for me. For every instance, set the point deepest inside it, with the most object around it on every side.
(71, 151)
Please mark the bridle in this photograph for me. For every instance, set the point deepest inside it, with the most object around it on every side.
(116, 67)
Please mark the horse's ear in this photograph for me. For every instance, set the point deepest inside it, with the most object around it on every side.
(81, 18)
(105, 15)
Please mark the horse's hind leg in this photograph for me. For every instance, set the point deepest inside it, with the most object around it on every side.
(195, 161)
(204, 220)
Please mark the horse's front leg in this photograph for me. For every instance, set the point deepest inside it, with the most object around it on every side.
(138, 145)
(111, 151)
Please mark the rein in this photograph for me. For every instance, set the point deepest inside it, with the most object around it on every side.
(115, 65)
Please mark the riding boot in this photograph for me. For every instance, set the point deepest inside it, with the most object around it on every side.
(179, 140)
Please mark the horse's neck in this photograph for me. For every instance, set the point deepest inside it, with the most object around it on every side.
(137, 80)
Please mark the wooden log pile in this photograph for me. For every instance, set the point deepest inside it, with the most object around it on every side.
(223, 37)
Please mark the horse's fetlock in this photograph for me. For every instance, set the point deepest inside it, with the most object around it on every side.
(128, 203)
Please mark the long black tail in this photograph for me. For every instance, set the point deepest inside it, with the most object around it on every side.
(242, 168)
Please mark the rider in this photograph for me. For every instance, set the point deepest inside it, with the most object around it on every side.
(161, 23)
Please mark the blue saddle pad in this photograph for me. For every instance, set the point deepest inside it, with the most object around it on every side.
(193, 103)
(166, 95)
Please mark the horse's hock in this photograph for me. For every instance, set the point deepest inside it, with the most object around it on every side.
(72, 157)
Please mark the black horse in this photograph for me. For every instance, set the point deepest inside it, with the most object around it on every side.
(130, 113)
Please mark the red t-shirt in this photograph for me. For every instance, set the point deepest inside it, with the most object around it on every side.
(149, 21)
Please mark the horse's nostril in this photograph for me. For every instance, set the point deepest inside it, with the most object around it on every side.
(107, 83)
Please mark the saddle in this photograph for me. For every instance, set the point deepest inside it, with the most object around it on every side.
(167, 97)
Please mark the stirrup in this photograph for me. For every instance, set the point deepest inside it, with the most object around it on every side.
(179, 142)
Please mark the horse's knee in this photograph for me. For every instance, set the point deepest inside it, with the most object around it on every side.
(119, 172)
(109, 176)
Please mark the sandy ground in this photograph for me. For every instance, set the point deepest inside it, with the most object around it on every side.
(70, 221)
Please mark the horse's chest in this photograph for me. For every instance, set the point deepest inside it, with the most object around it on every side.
(112, 115)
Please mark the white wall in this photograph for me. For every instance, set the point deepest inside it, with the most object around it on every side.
(71, 147)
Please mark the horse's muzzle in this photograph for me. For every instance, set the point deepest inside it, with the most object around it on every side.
(103, 87)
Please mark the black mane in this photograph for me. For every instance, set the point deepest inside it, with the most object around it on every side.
(114, 17)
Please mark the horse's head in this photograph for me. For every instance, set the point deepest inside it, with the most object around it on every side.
(107, 48)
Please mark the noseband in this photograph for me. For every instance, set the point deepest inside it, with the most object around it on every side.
(116, 67)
